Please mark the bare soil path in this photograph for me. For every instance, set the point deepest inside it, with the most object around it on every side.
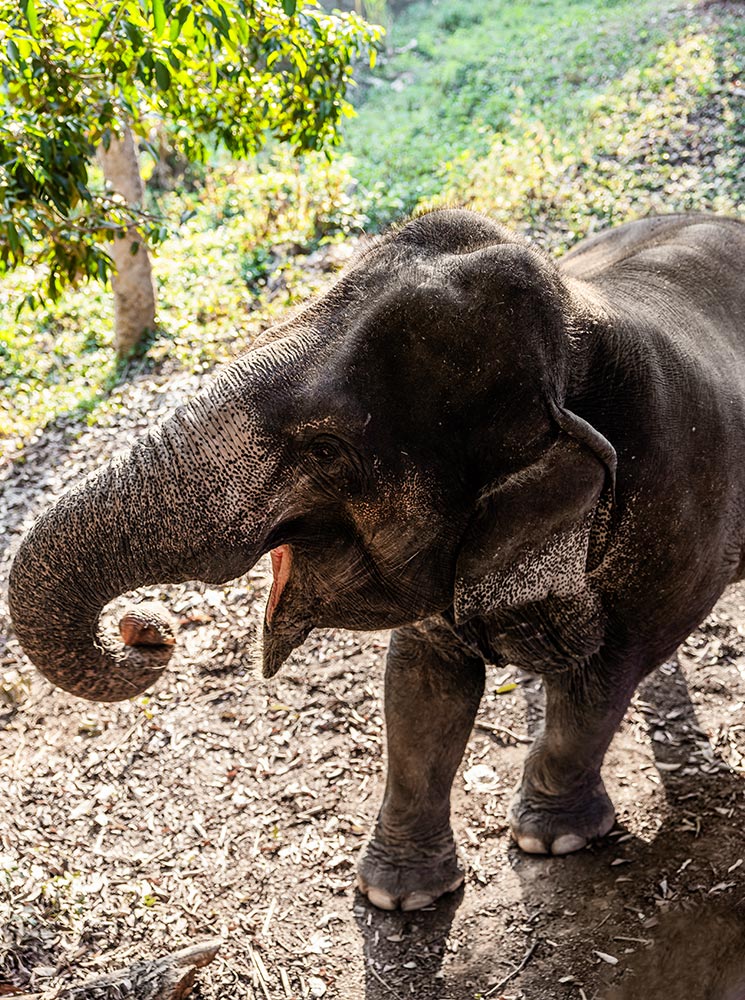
(227, 805)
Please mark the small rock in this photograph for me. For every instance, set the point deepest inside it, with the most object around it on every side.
(317, 986)
(480, 778)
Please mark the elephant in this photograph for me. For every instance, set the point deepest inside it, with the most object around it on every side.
(501, 457)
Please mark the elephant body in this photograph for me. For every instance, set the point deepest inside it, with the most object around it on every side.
(665, 383)
(500, 458)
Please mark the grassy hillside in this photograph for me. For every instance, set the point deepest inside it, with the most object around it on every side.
(556, 117)
(461, 71)
(554, 114)
(669, 136)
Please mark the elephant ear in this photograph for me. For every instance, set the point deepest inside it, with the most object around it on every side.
(529, 536)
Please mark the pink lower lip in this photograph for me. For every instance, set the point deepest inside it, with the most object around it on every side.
(281, 564)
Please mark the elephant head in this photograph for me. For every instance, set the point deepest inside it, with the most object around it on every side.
(399, 447)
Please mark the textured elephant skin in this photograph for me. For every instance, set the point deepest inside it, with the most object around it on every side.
(500, 457)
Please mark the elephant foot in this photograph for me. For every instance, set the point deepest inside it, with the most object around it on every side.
(408, 875)
(559, 824)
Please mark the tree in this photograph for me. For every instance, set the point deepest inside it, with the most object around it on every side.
(79, 76)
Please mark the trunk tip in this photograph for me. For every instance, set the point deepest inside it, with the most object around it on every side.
(148, 624)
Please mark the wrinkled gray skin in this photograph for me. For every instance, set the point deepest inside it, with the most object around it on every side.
(502, 459)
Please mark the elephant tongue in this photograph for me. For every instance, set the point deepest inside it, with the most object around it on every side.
(281, 564)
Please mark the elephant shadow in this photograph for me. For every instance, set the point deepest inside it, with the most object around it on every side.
(671, 863)
(613, 898)
(412, 944)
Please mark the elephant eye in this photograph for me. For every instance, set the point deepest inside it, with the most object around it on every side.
(334, 463)
(323, 452)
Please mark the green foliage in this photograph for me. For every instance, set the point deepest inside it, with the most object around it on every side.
(220, 72)
(256, 266)
(459, 70)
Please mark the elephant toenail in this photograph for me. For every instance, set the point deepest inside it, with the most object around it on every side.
(567, 843)
(417, 900)
(380, 898)
(531, 845)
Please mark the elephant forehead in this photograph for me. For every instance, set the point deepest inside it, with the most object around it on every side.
(433, 344)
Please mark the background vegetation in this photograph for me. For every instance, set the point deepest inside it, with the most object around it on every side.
(555, 116)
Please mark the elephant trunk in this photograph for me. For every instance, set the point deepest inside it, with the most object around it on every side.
(163, 513)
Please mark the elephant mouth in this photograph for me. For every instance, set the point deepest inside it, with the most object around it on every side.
(281, 558)
(287, 628)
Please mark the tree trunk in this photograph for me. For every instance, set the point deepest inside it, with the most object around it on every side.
(134, 293)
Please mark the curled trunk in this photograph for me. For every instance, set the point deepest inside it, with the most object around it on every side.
(96, 543)
(161, 514)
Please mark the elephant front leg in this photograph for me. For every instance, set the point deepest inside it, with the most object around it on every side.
(432, 693)
(561, 803)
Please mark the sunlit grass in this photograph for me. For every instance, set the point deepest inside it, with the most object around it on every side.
(663, 138)
(461, 70)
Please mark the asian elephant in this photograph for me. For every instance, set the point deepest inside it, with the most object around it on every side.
(501, 458)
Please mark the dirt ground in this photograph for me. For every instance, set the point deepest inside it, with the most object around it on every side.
(227, 805)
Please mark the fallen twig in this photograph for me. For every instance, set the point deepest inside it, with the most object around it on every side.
(515, 972)
(383, 982)
(489, 727)
(168, 978)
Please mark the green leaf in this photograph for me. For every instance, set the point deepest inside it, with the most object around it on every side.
(12, 49)
(29, 9)
(162, 75)
(13, 237)
(159, 17)
(178, 22)
(102, 26)
(289, 7)
(133, 33)
(243, 29)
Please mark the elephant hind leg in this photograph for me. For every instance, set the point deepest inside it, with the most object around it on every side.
(561, 803)
(432, 692)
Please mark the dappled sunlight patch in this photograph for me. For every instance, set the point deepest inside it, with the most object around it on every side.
(657, 141)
